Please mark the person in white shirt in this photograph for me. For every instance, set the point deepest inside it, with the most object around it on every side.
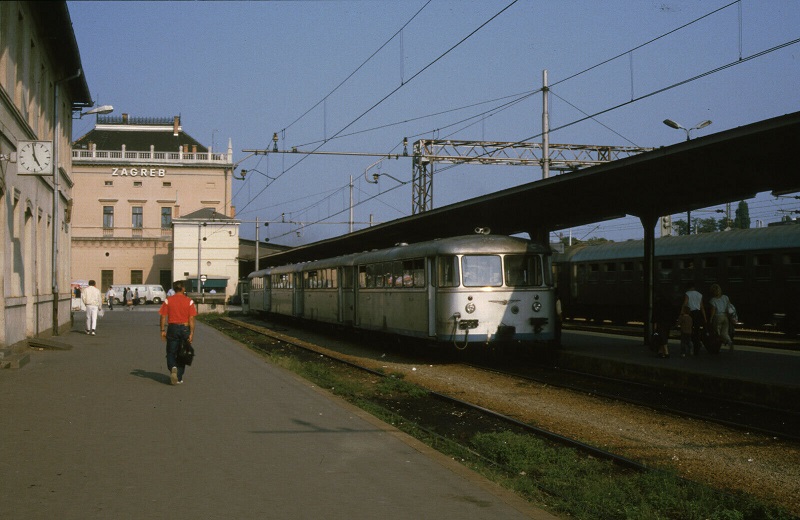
(110, 295)
(93, 300)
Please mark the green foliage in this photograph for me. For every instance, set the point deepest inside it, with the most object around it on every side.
(394, 384)
(742, 220)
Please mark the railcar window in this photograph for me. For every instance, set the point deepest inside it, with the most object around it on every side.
(482, 270)
(687, 263)
(363, 276)
(711, 263)
(627, 266)
(447, 268)
(371, 275)
(523, 270)
(397, 275)
(414, 273)
(611, 267)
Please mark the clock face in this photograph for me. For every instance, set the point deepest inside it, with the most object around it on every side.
(35, 156)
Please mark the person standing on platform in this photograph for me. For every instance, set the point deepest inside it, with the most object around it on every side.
(136, 297)
(177, 324)
(93, 300)
(685, 324)
(110, 295)
(128, 298)
(694, 301)
(719, 314)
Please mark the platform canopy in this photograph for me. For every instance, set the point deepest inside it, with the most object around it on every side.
(727, 166)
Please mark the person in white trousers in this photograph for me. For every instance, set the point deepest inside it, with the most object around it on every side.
(92, 299)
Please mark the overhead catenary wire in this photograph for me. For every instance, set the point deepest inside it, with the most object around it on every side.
(390, 94)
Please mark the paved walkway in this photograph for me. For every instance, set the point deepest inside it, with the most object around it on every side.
(98, 432)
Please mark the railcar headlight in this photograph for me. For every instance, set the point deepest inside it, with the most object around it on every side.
(537, 306)
(470, 308)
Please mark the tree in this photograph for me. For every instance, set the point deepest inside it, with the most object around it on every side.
(680, 227)
(706, 225)
(742, 219)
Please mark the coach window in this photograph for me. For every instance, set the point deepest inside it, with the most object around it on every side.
(736, 267)
(762, 265)
(664, 270)
(447, 271)
(333, 278)
(310, 279)
(482, 270)
(371, 275)
(523, 270)
(627, 271)
(594, 272)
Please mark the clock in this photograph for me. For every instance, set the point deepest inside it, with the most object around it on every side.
(35, 157)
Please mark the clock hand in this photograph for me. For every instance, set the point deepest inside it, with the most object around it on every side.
(34, 155)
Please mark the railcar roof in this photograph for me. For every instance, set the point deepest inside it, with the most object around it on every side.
(774, 237)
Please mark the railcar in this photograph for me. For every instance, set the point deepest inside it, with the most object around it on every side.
(461, 291)
(759, 270)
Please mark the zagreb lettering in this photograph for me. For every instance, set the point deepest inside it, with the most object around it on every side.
(138, 172)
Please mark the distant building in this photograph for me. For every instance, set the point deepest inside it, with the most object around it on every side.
(41, 85)
(143, 190)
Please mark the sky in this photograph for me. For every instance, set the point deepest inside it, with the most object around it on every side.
(359, 76)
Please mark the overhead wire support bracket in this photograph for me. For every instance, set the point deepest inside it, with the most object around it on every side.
(302, 152)
(562, 157)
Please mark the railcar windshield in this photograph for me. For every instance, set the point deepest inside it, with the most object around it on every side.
(524, 270)
(482, 270)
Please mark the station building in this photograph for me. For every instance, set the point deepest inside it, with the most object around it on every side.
(152, 205)
(41, 86)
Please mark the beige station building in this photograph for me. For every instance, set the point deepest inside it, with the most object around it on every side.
(151, 205)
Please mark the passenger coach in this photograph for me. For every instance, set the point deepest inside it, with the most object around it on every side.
(466, 290)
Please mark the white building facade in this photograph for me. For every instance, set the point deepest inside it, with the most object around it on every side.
(41, 85)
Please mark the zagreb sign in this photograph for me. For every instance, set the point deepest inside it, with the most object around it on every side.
(138, 172)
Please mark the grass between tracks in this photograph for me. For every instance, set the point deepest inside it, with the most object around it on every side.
(562, 480)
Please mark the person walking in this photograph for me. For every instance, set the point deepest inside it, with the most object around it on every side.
(128, 298)
(719, 315)
(93, 300)
(135, 298)
(177, 325)
(694, 301)
(110, 295)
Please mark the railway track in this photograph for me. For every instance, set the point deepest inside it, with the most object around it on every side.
(747, 417)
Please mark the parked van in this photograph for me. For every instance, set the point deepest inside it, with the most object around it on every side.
(147, 293)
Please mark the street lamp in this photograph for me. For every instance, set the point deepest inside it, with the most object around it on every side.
(102, 109)
(672, 124)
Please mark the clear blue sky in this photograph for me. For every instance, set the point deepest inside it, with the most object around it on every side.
(244, 70)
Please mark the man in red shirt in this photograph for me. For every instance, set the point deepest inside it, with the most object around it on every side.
(177, 324)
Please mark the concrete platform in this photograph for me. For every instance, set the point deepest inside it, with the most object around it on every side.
(98, 432)
(770, 377)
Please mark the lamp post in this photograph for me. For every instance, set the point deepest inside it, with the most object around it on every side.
(56, 190)
(672, 124)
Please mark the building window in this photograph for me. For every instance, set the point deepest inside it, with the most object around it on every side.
(166, 217)
(108, 217)
(136, 277)
(106, 280)
(166, 184)
(137, 184)
(137, 219)
(109, 183)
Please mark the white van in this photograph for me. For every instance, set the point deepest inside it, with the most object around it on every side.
(148, 293)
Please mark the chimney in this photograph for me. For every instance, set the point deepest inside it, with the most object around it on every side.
(124, 118)
(176, 126)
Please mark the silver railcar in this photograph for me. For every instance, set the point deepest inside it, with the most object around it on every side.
(466, 290)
